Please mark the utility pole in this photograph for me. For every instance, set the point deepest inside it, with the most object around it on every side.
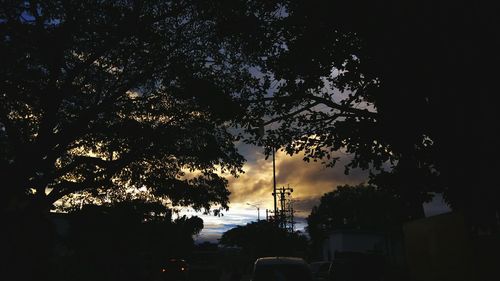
(258, 210)
(274, 187)
(283, 207)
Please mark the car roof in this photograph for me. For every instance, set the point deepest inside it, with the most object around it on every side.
(320, 262)
(280, 260)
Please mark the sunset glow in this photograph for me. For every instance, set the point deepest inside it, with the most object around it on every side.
(308, 180)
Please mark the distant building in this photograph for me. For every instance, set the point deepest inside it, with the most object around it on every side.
(386, 247)
(353, 241)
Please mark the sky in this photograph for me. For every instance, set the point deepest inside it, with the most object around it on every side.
(308, 180)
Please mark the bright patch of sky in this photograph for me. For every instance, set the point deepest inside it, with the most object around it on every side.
(309, 181)
(238, 215)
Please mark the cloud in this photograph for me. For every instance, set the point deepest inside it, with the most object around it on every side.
(304, 206)
(308, 180)
(255, 185)
(314, 179)
(214, 226)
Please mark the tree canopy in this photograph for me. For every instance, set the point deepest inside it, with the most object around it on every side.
(98, 97)
(361, 207)
(133, 240)
(403, 87)
(263, 238)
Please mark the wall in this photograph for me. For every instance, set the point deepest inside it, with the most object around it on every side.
(353, 241)
(437, 248)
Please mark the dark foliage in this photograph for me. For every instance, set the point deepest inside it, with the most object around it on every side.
(95, 96)
(263, 238)
(128, 241)
(361, 207)
(100, 97)
(405, 86)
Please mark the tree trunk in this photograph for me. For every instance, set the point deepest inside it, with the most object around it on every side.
(26, 243)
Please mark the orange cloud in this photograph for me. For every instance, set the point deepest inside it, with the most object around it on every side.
(309, 180)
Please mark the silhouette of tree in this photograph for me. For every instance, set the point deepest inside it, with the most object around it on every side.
(361, 207)
(99, 96)
(131, 242)
(357, 207)
(386, 83)
(263, 238)
(132, 94)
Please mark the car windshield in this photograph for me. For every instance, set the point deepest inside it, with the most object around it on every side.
(282, 273)
(320, 267)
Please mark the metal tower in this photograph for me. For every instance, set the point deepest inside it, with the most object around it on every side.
(284, 217)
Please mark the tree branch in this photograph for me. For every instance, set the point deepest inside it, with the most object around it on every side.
(334, 105)
(291, 114)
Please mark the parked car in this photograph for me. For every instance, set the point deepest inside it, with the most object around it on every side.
(174, 270)
(281, 269)
(322, 270)
(205, 265)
